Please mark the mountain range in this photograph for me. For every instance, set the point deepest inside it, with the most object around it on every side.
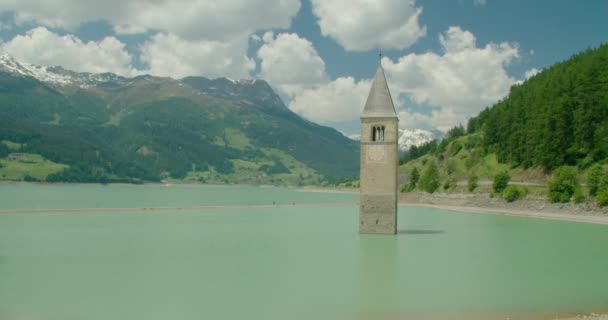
(105, 127)
(416, 137)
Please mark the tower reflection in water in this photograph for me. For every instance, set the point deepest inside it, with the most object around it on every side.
(378, 276)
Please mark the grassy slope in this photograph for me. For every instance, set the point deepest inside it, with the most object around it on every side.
(249, 171)
(459, 166)
(32, 165)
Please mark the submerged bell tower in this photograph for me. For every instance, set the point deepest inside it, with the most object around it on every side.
(379, 160)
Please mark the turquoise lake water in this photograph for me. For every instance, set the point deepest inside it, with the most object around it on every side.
(300, 259)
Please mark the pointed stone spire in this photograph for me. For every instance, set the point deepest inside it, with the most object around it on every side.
(379, 102)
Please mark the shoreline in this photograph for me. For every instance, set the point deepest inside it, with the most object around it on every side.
(536, 207)
(514, 213)
(311, 188)
(146, 184)
(189, 208)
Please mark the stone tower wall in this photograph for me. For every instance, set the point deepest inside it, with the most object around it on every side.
(379, 163)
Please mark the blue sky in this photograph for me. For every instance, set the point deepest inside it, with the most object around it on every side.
(445, 60)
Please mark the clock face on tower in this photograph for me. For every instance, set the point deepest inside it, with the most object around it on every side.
(376, 153)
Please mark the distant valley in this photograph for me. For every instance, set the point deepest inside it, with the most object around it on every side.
(59, 125)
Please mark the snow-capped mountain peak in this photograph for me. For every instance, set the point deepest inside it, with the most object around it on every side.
(61, 77)
(44, 74)
(56, 75)
(407, 138)
(413, 137)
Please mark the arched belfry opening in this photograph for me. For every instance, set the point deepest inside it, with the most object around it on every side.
(378, 133)
(379, 160)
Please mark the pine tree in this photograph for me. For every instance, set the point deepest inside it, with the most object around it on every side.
(594, 178)
(414, 178)
(430, 178)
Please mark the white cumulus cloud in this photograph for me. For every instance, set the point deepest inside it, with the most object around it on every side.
(457, 83)
(340, 100)
(191, 37)
(441, 119)
(290, 63)
(532, 72)
(462, 80)
(456, 40)
(529, 74)
(169, 55)
(361, 25)
(42, 47)
(189, 19)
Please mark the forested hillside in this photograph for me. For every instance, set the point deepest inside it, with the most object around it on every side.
(549, 133)
(558, 117)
